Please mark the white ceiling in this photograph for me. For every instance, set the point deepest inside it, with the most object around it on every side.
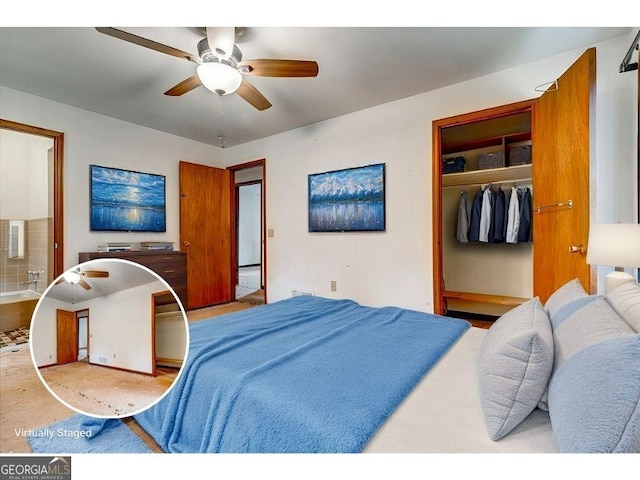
(359, 67)
(123, 275)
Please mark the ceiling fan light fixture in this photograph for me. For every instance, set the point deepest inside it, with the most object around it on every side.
(71, 277)
(219, 77)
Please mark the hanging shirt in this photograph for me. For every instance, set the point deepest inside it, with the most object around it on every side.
(513, 217)
(526, 210)
(497, 223)
(485, 214)
(463, 218)
(474, 218)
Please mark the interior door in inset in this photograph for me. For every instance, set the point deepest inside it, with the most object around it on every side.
(562, 149)
(66, 337)
(205, 233)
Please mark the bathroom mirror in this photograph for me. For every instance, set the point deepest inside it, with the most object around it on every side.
(16, 239)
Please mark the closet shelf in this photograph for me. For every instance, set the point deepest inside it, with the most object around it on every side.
(492, 175)
(175, 314)
(485, 298)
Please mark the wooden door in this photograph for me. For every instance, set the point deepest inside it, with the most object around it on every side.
(562, 147)
(67, 337)
(205, 233)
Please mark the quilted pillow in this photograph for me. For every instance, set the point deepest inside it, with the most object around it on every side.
(515, 363)
(626, 301)
(568, 293)
(594, 398)
(595, 322)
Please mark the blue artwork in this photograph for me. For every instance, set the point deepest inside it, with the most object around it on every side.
(122, 200)
(347, 200)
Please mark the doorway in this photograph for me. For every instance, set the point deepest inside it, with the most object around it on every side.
(83, 335)
(249, 256)
(249, 221)
(54, 217)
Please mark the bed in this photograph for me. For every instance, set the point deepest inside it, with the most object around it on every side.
(311, 374)
(306, 374)
(426, 364)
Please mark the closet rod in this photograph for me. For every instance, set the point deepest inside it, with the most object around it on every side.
(480, 184)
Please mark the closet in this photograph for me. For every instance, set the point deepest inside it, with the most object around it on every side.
(483, 278)
(476, 271)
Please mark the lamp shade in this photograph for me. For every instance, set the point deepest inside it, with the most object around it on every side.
(614, 244)
(219, 77)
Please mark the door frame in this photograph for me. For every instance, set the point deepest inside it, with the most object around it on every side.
(234, 227)
(436, 185)
(58, 207)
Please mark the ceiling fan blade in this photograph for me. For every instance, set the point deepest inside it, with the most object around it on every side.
(251, 94)
(95, 274)
(84, 284)
(145, 42)
(279, 68)
(221, 40)
(184, 86)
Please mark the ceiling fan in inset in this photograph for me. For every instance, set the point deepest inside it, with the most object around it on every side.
(220, 66)
(76, 277)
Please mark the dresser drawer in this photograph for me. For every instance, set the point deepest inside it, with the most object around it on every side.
(170, 265)
(158, 260)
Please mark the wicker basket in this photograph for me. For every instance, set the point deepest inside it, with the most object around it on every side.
(490, 160)
(520, 155)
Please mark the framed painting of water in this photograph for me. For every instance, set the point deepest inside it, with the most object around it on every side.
(124, 200)
(349, 200)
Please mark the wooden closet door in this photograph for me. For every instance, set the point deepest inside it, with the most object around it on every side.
(562, 147)
(66, 337)
(205, 233)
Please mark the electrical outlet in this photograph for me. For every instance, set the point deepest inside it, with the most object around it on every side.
(334, 286)
(270, 233)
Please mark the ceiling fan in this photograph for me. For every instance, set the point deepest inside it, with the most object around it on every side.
(76, 276)
(220, 66)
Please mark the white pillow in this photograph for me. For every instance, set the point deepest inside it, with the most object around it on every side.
(626, 301)
(514, 367)
(569, 292)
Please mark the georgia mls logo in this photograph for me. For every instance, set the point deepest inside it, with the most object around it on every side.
(35, 468)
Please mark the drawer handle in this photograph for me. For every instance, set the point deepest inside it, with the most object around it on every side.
(169, 271)
(168, 258)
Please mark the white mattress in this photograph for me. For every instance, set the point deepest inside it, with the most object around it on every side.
(443, 413)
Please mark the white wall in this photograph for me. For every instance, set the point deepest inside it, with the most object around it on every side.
(119, 328)
(90, 138)
(120, 333)
(249, 224)
(395, 267)
(616, 143)
(24, 192)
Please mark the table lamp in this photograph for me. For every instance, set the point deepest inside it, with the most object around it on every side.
(617, 245)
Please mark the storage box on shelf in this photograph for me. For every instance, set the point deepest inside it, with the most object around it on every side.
(490, 160)
(520, 155)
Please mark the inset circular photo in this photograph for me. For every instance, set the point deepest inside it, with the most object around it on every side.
(109, 338)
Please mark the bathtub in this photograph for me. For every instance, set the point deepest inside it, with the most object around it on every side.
(16, 309)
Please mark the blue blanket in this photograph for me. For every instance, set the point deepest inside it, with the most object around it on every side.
(306, 374)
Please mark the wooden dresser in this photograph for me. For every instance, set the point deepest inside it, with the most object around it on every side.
(171, 265)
